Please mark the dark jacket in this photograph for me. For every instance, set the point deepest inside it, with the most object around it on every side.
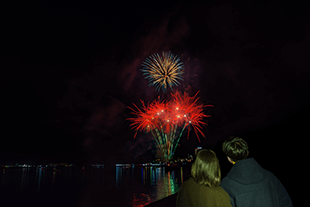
(193, 194)
(249, 185)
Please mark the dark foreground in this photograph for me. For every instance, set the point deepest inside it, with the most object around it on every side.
(168, 201)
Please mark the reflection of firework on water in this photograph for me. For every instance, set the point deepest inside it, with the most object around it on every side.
(163, 118)
(163, 70)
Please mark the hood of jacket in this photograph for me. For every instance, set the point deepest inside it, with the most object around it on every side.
(246, 172)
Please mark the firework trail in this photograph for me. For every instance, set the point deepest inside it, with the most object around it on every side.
(163, 70)
(163, 119)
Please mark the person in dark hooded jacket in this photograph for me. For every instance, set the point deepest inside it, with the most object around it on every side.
(247, 183)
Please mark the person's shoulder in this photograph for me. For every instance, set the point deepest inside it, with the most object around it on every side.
(221, 189)
(225, 180)
(188, 182)
(218, 191)
(272, 177)
(268, 173)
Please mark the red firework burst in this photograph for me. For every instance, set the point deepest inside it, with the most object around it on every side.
(164, 117)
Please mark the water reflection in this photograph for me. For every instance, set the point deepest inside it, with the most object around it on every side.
(164, 183)
(3, 172)
(24, 179)
(40, 175)
(54, 175)
(181, 169)
(119, 175)
(169, 184)
(137, 186)
(139, 200)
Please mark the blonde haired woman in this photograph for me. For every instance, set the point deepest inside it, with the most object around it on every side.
(203, 188)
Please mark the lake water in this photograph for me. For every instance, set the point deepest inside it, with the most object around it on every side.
(103, 186)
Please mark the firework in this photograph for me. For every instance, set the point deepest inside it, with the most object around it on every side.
(163, 70)
(168, 120)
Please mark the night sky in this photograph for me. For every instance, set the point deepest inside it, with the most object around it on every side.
(69, 70)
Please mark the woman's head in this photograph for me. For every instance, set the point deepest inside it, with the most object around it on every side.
(206, 169)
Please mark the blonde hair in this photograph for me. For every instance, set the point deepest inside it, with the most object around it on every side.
(206, 169)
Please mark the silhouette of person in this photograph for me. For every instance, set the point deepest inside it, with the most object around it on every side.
(203, 188)
(247, 183)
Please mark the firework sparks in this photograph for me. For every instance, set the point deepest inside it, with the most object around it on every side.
(163, 70)
(163, 119)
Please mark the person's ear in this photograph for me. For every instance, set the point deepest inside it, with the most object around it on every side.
(230, 160)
